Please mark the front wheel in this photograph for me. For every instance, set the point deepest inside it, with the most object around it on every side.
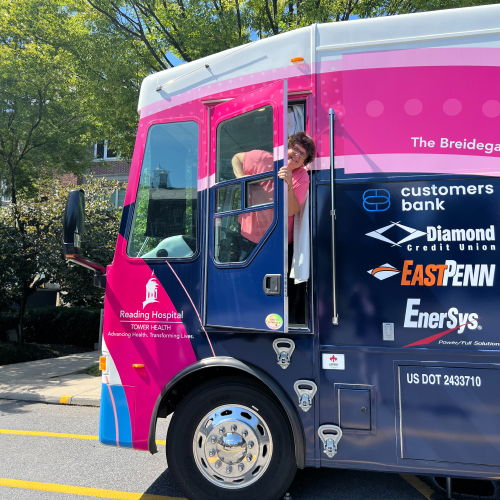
(228, 439)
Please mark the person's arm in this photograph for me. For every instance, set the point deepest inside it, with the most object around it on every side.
(293, 203)
(237, 163)
(294, 206)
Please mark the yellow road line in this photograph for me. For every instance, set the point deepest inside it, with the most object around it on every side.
(58, 434)
(49, 434)
(419, 485)
(64, 400)
(78, 490)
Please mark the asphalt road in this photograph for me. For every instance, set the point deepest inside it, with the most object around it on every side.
(81, 467)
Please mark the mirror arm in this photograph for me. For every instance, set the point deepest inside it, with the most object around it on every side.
(86, 263)
(99, 276)
(73, 228)
(99, 280)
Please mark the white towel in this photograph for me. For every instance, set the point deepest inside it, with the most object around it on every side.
(301, 246)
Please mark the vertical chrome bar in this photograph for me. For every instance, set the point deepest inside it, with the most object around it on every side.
(449, 492)
(208, 123)
(285, 209)
(335, 319)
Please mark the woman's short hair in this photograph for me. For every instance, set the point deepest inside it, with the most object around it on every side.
(306, 142)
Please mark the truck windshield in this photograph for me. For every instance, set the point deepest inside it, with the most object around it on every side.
(164, 222)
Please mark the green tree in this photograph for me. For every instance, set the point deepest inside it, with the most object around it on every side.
(31, 243)
(110, 66)
(189, 30)
(42, 129)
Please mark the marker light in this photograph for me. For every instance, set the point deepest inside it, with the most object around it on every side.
(296, 59)
(138, 366)
(102, 363)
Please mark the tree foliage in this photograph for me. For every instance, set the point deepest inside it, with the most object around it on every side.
(31, 243)
(42, 129)
(111, 66)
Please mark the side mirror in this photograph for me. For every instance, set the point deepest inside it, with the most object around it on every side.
(74, 222)
(73, 229)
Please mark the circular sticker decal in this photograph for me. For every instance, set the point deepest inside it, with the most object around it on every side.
(274, 321)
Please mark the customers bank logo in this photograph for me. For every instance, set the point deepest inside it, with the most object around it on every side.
(376, 200)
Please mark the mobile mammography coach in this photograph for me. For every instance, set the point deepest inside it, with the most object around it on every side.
(390, 359)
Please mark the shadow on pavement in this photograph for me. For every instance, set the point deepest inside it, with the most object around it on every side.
(164, 485)
(344, 484)
(12, 406)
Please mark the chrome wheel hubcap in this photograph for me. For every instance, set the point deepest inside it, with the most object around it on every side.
(232, 446)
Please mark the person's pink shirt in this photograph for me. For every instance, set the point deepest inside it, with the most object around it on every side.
(255, 224)
(300, 182)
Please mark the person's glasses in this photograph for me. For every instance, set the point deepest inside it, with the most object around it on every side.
(297, 151)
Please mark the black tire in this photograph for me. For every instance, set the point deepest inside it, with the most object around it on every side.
(195, 477)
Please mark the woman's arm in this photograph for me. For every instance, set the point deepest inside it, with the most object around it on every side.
(237, 163)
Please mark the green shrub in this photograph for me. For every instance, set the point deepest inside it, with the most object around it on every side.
(55, 325)
(62, 325)
(20, 353)
(14, 352)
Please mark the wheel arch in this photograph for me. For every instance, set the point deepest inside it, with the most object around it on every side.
(206, 369)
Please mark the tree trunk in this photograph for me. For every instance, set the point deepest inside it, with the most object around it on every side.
(22, 309)
(13, 187)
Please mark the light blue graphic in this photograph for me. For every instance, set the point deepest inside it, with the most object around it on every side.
(376, 200)
(108, 419)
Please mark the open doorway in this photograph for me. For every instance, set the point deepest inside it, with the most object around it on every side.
(298, 251)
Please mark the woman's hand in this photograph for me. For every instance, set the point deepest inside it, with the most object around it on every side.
(286, 174)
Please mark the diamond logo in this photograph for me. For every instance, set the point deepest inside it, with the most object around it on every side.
(412, 234)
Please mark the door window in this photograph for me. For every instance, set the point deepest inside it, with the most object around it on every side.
(164, 222)
(245, 164)
(245, 132)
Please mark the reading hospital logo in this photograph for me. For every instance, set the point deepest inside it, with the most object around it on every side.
(151, 291)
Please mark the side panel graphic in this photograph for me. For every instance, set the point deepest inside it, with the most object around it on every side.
(141, 327)
(115, 426)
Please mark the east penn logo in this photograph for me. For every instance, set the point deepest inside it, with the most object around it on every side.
(384, 271)
(450, 273)
(412, 234)
(376, 200)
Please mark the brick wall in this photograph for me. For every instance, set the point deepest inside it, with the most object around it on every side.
(70, 179)
(101, 168)
(110, 168)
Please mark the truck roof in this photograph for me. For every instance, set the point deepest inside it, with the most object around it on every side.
(321, 42)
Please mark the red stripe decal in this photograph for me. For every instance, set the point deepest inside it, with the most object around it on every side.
(432, 338)
(194, 307)
(377, 269)
(114, 410)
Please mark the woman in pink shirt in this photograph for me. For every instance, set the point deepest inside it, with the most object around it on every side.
(301, 152)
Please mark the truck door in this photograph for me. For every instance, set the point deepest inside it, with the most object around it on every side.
(247, 254)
